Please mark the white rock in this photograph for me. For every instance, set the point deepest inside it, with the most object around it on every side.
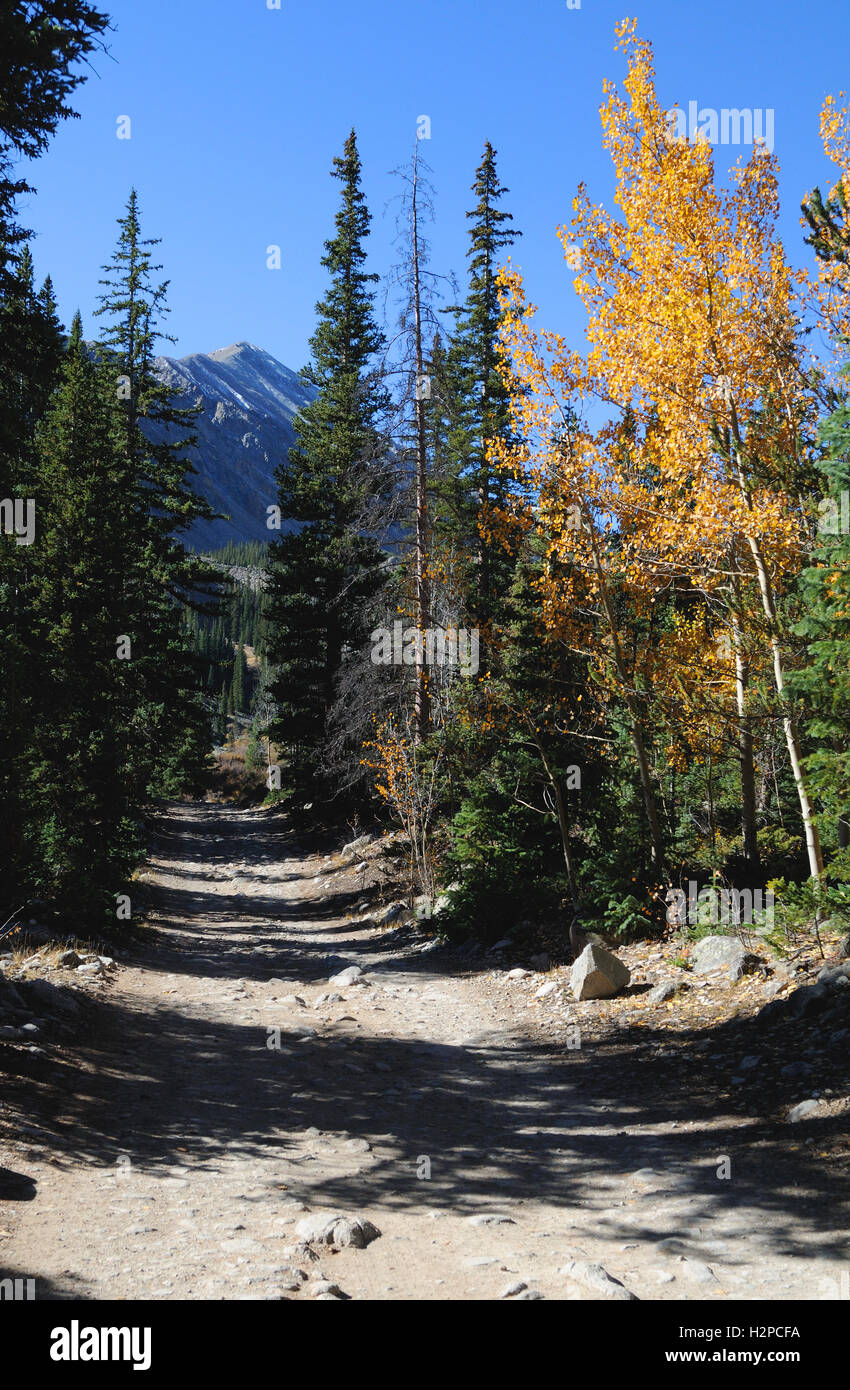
(348, 976)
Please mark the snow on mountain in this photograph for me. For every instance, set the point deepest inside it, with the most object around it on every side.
(248, 401)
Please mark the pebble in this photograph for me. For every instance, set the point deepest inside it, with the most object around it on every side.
(511, 1290)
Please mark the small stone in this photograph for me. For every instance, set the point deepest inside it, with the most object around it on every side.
(511, 1290)
(597, 1279)
(661, 993)
(517, 974)
(349, 976)
(699, 1272)
(491, 1219)
(804, 1111)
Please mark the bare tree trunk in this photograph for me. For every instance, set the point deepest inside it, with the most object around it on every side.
(563, 821)
(745, 752)
(792, 737)
(422, 702)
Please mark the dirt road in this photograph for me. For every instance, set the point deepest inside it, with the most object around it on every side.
(172, 1151)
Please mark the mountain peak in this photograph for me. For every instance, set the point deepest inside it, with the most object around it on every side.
(248, 402)
(237, 349)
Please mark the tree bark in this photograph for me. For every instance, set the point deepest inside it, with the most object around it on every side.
(792, 737)
(749, 832)
(422, 701)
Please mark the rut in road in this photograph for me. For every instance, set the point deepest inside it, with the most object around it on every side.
(173, 1152)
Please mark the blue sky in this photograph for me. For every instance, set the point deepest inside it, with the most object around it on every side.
(237, 111)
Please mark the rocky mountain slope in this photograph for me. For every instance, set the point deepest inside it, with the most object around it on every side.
(248, 400)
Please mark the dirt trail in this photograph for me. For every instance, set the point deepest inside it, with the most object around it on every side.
(172, 1152)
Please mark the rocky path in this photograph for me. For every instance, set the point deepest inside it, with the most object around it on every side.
(224, 1093)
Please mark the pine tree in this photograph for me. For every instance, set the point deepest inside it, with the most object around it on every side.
(238, 684)
(165, 717)
(824, 684)
(41, 44)
(477, 397)
(30, 354)
(322, 573)
(79, 824)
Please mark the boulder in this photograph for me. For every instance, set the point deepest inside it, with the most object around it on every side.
(835, 975)
(807, 1000)
(339, 1230)
(53, 998)
(10, 998)
(597, 974)
(723, 953)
